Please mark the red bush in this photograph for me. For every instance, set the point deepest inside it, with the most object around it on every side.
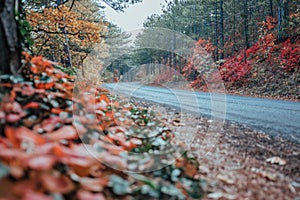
(290, 55)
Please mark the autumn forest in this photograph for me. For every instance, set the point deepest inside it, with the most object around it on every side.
(64, 135)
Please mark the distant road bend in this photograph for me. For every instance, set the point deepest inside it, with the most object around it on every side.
(275, 117)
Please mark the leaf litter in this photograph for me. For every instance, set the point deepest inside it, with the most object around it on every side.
(54, 145)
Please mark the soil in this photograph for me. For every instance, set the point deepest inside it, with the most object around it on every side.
(236, 162)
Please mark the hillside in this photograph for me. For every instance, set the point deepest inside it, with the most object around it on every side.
(269, 68)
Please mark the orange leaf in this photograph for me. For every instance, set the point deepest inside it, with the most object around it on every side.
(24, 133)
(12, 95)
(10, 134)
(104, 98)
(40, 85)
(68, 85)
(56, 110)
(33, 105)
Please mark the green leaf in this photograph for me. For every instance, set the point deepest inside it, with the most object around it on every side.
(4, 170)
(175, 174)
(172, 191)
(145, 180)
(119, 185)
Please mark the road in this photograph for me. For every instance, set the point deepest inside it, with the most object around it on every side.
(275, 117)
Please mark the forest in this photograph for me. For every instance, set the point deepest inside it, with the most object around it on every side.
(63, 136)
(254, 44)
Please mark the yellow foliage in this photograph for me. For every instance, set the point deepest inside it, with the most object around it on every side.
(82, 34)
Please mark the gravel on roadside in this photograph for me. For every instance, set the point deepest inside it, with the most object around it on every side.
(236, 162)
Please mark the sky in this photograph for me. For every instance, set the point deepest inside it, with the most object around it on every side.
(134, 15)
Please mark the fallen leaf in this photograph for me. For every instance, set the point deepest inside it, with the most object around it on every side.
(65, 132)
(2, 115)
(13, 118)
(57, 183)
(23, 133)
(27, 90)
(19, 187)
(104, 98)
(41, 162)
(215, 195)
(85, 195)
(225, 179)
(116, 161)
(94, 184)
(30, 195)
(268, 175)
(32, 105)
(16, 107)
(203, 169)
(50, 123)
(276, 160)
(9, 132)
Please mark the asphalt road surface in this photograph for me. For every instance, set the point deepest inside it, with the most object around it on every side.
(275, 117)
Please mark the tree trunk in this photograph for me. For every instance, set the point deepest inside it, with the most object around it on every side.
(222, 29)
(216, 32)
(234, 27)
(68, 60)
(271, 8)
(10, 53)
(282, 14)
(246, 25)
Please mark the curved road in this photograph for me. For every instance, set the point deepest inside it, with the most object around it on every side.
(275, 117)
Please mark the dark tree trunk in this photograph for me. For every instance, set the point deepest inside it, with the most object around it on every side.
(216, 31)
(222, 29)
(282, 15)
(10, 48)
(68, 60)
(246, 25)
(234, 27)
(271, 8)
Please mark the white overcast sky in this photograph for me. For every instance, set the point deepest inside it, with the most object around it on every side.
(134, 15)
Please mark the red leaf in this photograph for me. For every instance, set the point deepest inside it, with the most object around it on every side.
(85, 195)
(117, 161)
(30, 195)
(78, 155)
(65, 132)
(20, 185)
(2, 115)
(57, 183)
(24, 133)
(32, 105)
(42, 85)
(94, 184)
(49, 124)
(27, 90)
(6, 153)
(41, 162)
(13, 118)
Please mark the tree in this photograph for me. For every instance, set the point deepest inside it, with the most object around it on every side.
(10, 37)
(282, 11)
(63, 35)
(10, 45)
